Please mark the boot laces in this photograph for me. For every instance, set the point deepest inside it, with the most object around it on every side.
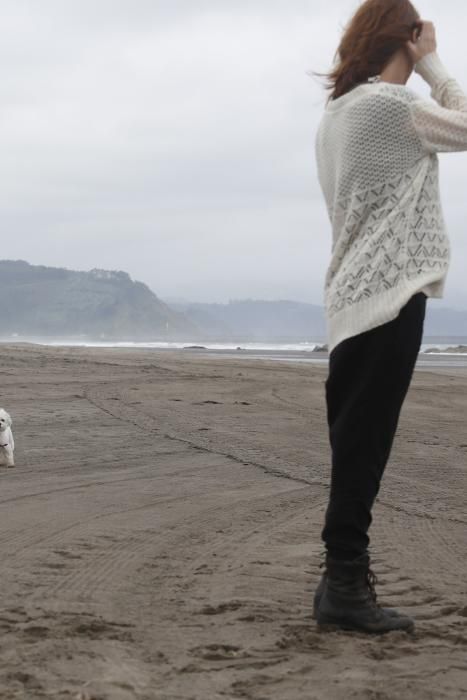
(372, 580)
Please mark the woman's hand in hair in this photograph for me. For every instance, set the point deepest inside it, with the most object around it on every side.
(426, 42)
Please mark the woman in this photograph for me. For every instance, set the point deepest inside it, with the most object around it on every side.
(376, 152)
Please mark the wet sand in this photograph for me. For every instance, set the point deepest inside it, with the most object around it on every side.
(160, 532)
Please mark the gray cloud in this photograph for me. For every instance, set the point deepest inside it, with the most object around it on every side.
(175, 140)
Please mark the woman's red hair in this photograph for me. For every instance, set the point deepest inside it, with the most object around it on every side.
(371, 37)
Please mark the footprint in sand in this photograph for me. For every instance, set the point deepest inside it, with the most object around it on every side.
(220, 608)
(219, 652)
(68, 555)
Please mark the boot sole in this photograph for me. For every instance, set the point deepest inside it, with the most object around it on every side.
(334, 626)
(389, 611)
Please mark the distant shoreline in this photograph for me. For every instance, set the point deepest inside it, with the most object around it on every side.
(436, 358)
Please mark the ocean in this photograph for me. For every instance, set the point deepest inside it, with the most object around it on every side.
(301, 351)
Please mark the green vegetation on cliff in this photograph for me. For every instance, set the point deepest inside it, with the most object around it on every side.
(100, 304)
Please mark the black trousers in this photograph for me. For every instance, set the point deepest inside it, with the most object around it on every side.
(369, 375)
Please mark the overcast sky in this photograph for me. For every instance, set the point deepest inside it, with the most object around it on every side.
(174, 139)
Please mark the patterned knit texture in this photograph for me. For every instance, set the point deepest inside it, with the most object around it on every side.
(376, 154)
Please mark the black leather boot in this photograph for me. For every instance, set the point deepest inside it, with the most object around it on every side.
(319, 592)
(348, 599)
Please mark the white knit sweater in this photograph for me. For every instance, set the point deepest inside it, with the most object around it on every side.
(376, 153)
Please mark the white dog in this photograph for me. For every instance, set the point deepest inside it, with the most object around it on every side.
(7, 444)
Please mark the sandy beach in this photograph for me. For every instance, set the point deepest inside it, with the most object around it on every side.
(160, 532)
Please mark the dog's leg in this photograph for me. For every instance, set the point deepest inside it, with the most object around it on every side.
(10, 460)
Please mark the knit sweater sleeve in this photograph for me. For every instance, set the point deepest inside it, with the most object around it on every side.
(441, 125)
